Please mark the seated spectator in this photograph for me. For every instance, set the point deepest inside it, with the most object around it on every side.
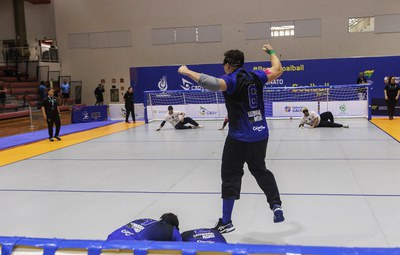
(3, 91)
(42, 91)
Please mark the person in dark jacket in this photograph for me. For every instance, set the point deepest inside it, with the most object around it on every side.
(51, 114)
(165, 229)
(98, 92)
(129, 105)
(392, 93)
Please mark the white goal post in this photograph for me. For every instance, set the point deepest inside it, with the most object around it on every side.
(280, 102)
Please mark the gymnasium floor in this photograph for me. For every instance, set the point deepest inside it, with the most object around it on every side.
(340, 187)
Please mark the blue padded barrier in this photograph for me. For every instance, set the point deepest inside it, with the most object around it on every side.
(95, 247)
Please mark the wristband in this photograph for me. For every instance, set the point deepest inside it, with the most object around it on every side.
(271, 52)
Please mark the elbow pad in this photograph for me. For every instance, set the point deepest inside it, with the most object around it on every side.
(209, 82)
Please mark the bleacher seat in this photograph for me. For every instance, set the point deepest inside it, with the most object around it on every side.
(25, 85)
(10, 115)
(9, 106)
(23, 91)
(28, 97)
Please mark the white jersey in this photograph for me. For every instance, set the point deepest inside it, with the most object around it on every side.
(174, 118)
(311, 119)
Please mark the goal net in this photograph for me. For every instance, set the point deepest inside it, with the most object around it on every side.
(282, 102)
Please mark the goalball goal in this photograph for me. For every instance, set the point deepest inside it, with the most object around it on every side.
(280, 102)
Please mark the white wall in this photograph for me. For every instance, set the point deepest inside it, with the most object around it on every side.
(40, 24)
(91, 65)
(7, 31)
(39, 20)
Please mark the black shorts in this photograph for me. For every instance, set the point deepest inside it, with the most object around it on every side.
(65, 95)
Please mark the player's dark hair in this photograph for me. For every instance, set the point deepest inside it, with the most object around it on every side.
(170, 108)
(234, 57)
(170, 219)
(390, 80)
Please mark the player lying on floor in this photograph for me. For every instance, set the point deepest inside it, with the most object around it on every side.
(178, 120)
(314, 120)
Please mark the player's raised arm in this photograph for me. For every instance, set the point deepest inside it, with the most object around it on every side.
(276, 69)
(206, 81)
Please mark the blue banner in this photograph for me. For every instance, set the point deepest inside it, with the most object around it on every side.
(314, 72)
(83, 114)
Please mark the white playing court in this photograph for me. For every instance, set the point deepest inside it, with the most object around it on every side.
(339, 187)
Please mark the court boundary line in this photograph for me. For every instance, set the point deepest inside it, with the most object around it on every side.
(193, 192)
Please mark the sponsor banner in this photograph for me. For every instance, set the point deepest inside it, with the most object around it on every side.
(345, 108)
(206, 111)
(158, 112)
(379, 107)
(195, 111)
(308, 72)
(292, 109)
(83, 114)
(118, 112)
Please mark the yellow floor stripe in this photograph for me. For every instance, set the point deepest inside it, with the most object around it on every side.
(15, 154)
(392, 127)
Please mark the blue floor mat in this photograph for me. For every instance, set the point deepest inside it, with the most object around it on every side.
(21, 139)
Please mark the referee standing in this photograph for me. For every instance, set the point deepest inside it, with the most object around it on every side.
(51, 114)
(129, 105)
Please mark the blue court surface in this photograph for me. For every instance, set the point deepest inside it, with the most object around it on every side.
(20, 139)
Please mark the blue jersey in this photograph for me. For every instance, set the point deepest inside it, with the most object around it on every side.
(203, 235)
(245, 105)
(65, 88)
(146, 229)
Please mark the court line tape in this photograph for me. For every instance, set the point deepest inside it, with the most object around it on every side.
(193, 193)
(211, 159)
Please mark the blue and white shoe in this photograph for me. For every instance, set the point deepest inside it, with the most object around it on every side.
(224, 228)
(278, 214)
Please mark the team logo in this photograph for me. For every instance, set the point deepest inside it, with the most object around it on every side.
(258, 128)
(342, 108)
(204, 111)
(123, 112)
(85, 115)
(186, 84)
(163, 84)
(96, 115)
(368, 73)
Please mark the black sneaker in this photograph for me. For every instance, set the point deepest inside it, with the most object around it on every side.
(224, 228)
(278, 214)
(51, 139)
(58, 138)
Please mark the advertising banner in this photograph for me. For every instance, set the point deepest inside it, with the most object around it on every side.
(118, 112)
(83, 114)
(314, 72)
(291, 109)
(345, 108)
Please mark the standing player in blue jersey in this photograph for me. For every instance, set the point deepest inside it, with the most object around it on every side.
(166, 229)
(247, 138)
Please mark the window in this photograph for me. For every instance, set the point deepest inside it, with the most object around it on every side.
(364, 24)
(279, 29)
